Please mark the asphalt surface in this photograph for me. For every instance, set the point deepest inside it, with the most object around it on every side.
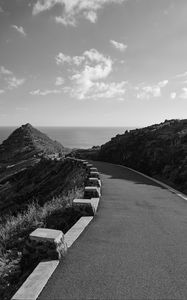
(135, 247)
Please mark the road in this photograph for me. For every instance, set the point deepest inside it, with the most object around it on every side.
(135, 248)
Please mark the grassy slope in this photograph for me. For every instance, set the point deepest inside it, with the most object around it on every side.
(53, 185)
(46, 179)
(158, 150)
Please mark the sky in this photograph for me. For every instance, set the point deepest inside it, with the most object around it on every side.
(92, 62)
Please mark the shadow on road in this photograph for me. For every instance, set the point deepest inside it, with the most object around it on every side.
(120, 172)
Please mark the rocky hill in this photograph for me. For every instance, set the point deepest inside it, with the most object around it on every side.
(26, 142)
(159, 150)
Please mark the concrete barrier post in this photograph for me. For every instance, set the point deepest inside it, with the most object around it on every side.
(93, 169)
(84, 206)
(89, 166)
(92, 192)
(94, 182)
(94, 175)
(44, 243)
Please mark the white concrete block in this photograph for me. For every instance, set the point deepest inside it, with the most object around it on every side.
(92, 192)
(89, 166)
(94, 174)
(35, 283)
(94, 181)
(85, 206)
(93, 202)
(75, 231)
(93, 169)
(46, 234)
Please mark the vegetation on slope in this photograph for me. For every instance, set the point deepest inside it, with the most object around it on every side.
(41, 197)
(159, 150)
(37, 186)
(43, 181)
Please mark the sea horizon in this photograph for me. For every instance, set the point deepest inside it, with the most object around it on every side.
(74, 137)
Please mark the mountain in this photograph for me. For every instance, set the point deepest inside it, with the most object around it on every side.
(26, 142)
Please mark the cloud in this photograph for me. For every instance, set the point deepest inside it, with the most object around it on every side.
(44, 92)
(78, 60)
(101, 90)
(89, 57)
(59, 81)
(180, 79)
(61, 58)
(91, 16)
(181, 75)
(1, 9)
(10, 79)
(120, 46)
(163, 83)
(74, 9)
(102, 67)
(4, 71)
(183, 94)
(19, 29)
(88, 73)
(65, 21)
(173, 95)
(2, 91)
(148, 91)
(96, 67)
(14, 82)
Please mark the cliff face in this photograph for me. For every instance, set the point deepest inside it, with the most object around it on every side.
(25, 142)
(159, 150)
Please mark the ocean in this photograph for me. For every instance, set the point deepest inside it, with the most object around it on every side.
(74, 137)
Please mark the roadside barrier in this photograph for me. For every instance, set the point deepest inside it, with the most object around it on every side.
(52, 245)
(94, 182)
(94, 174)
(92, 169)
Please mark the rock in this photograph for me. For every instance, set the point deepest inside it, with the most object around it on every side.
(26, 142)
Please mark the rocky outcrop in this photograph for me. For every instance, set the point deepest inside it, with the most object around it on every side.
(26, 142)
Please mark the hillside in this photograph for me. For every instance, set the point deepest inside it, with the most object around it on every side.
(26, 142)
(40, 196)
(37, 186)
(159, 150)
(41, 182)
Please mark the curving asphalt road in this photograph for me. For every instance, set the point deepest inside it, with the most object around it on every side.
(135, 248)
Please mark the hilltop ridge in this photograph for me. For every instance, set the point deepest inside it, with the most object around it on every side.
(26, 142)
(159, 150)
